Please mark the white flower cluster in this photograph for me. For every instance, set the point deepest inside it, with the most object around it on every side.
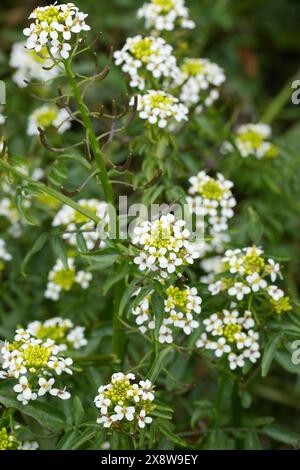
(30, 65)
(231, 335)
(48, 116)
(35, 363)
(124, 404)
(60, 330)
(166, 247)
(147, 57)
(252, 140)
(212, 199)
(4, 255)
(28, 445)
(61, 279)
(71, 220)
(54, 26)
(165, 15)
(180, 306)
(253, 273)
(10, 213)
(199, 81)
(211, 266)
(161, 109)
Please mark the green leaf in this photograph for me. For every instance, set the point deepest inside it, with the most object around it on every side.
(157, 304)
(81, 243)
(60, 251)
(255, 227)
(86, 436)
(284, 359)
(252, 441)
(47, 415)
(269, 354)
(75, 158)
(25, 218)
(203, 409)
(77, 410)
(65, 442)
(158, 364)
(280, 434)
(37, 246)
(165, 429)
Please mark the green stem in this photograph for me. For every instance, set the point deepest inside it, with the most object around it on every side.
(119, 339)
(99, 157)
(237, 413)
(41, 187)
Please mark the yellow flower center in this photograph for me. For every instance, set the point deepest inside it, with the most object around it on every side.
(36, 356)
(143, 49)
(64, 278)
(118, 392)
(165, 5)
(230, 330)
(36, 57)
(53, 332)
(177, 297)
(253, 263)
(51, 14)
(161, 101)
(211, 190)
(252, 137)
(193, 67)
(46, 119)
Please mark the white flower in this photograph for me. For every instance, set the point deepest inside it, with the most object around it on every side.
(161, 109)
(275, 292)
(69, 219)
(63, 394)
(83, 278)
(17, 367)
(165, 335)
(76, 337)
(256, 282)
(53, 25)
(47, 116)
(239, 290)
(236, 361)
(251, 140)
(165, 245)
(146, 56)
(273, 269)
(60, 364)
(23, 389)
(199, 80)
(188, 324)
(45, 386)
(3, 251)
(165, 15)
(143, 419)
(220, 347)
(29, 65)
(105, 420)
(146, 388)
(123, 411)
(212, 200)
